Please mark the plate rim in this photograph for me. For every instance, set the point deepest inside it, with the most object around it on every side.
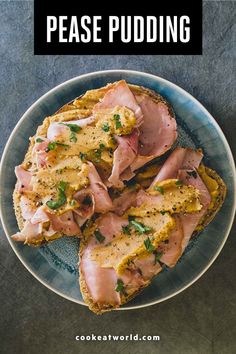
(179, 89)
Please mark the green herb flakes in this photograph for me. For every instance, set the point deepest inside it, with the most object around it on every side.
(105, 127)
(192, 174)
(53, 144)
(159, 189)
(99, 237)
(82, 156)
(87, 200)
(126, 230)
(39, 140)
(119, 286)
(61, 198)
(158, 256)
(148, 244)
(139, 227)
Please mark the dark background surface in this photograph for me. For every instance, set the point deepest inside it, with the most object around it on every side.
(200, 320)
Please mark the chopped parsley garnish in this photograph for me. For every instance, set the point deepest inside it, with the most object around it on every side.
(129, 261)
(82, 156)
(105, 127)
(126, 230)
(192, 174)
(158, 256)
(99, 237)
(72, 202)
(87, 200)
(118, 124)
(61, 198)
(139, 227)
(159, 189)
(74, 128)
(53, 144)
(148, 244)
(136, 225)
(39, 140)
(102, 146)
(119, 286)
(73, 137)
(179, 182)
(162, 212)
(97, 153)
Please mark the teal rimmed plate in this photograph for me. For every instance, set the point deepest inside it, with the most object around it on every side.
(55, 265)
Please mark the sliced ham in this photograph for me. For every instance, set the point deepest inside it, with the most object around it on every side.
(39, 151)
(190, 221)
(29, 234)
(158, 131)
(40, 215)
(121, 95)
(58, 129)
(180, 158)
(172, 248)
(148, 266)
(126, 200)
(27, 208)
(86, 207)
(65, 223)
(36, 218)
(101, 282)
(181, 164)
(103, 202)
(23, 179)
(124, 155)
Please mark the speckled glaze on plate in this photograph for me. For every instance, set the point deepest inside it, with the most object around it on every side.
(55, 264)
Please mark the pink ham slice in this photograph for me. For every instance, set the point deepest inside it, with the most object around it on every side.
(125, 201)
(58, 129)
(27, 208)
(148, 266)
(102, 200)
(65, 223)
(180, 164)
(101, 282)
(121, 95)
(86, 206)
(190, 221)
(23, 179)
(172, 249)
(124, 155)
(29, 233)
(36, 217)
(39, 151)
(144, 269)
(158, 131)
(180, 158)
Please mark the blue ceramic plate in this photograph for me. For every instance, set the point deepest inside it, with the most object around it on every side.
(55, 265)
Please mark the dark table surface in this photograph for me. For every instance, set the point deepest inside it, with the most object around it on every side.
(202, 319)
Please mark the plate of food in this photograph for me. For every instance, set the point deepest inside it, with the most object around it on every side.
(117, 190)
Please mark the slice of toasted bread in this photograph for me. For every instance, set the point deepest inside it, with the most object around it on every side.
(217, 190)
(80, 107)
